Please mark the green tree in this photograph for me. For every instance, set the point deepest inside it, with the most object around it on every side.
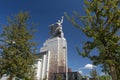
(94, 74)
(101, 24)
(104, 77)
(17, 48)
(59, 77)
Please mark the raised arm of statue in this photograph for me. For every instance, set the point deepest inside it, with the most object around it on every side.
(60, 21)
(56, 29)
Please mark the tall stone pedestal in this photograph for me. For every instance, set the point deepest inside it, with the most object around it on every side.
(57, 48)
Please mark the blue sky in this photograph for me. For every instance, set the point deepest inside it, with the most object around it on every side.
(46, 12)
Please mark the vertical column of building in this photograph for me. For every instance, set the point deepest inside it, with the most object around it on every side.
(62, 55)
(39, 67)
(53, 57)
(44, 67)
(48, 63)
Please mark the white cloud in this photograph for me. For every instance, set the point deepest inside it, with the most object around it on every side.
(89, 66)
(80, 72)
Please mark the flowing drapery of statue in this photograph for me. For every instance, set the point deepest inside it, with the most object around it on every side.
(56, 29)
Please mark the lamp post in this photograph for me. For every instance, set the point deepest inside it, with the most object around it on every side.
(66, 70)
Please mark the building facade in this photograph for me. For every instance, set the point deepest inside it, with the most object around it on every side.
(54, 54)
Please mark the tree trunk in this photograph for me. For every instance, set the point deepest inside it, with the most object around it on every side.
(10, 77)
(113, 73)
(117, 72)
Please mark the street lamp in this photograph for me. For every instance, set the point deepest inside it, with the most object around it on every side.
(66, 62)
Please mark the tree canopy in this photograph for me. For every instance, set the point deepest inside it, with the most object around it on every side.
(17, 48)
(101, 23)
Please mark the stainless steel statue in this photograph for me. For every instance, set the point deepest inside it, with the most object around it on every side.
(56, 29)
